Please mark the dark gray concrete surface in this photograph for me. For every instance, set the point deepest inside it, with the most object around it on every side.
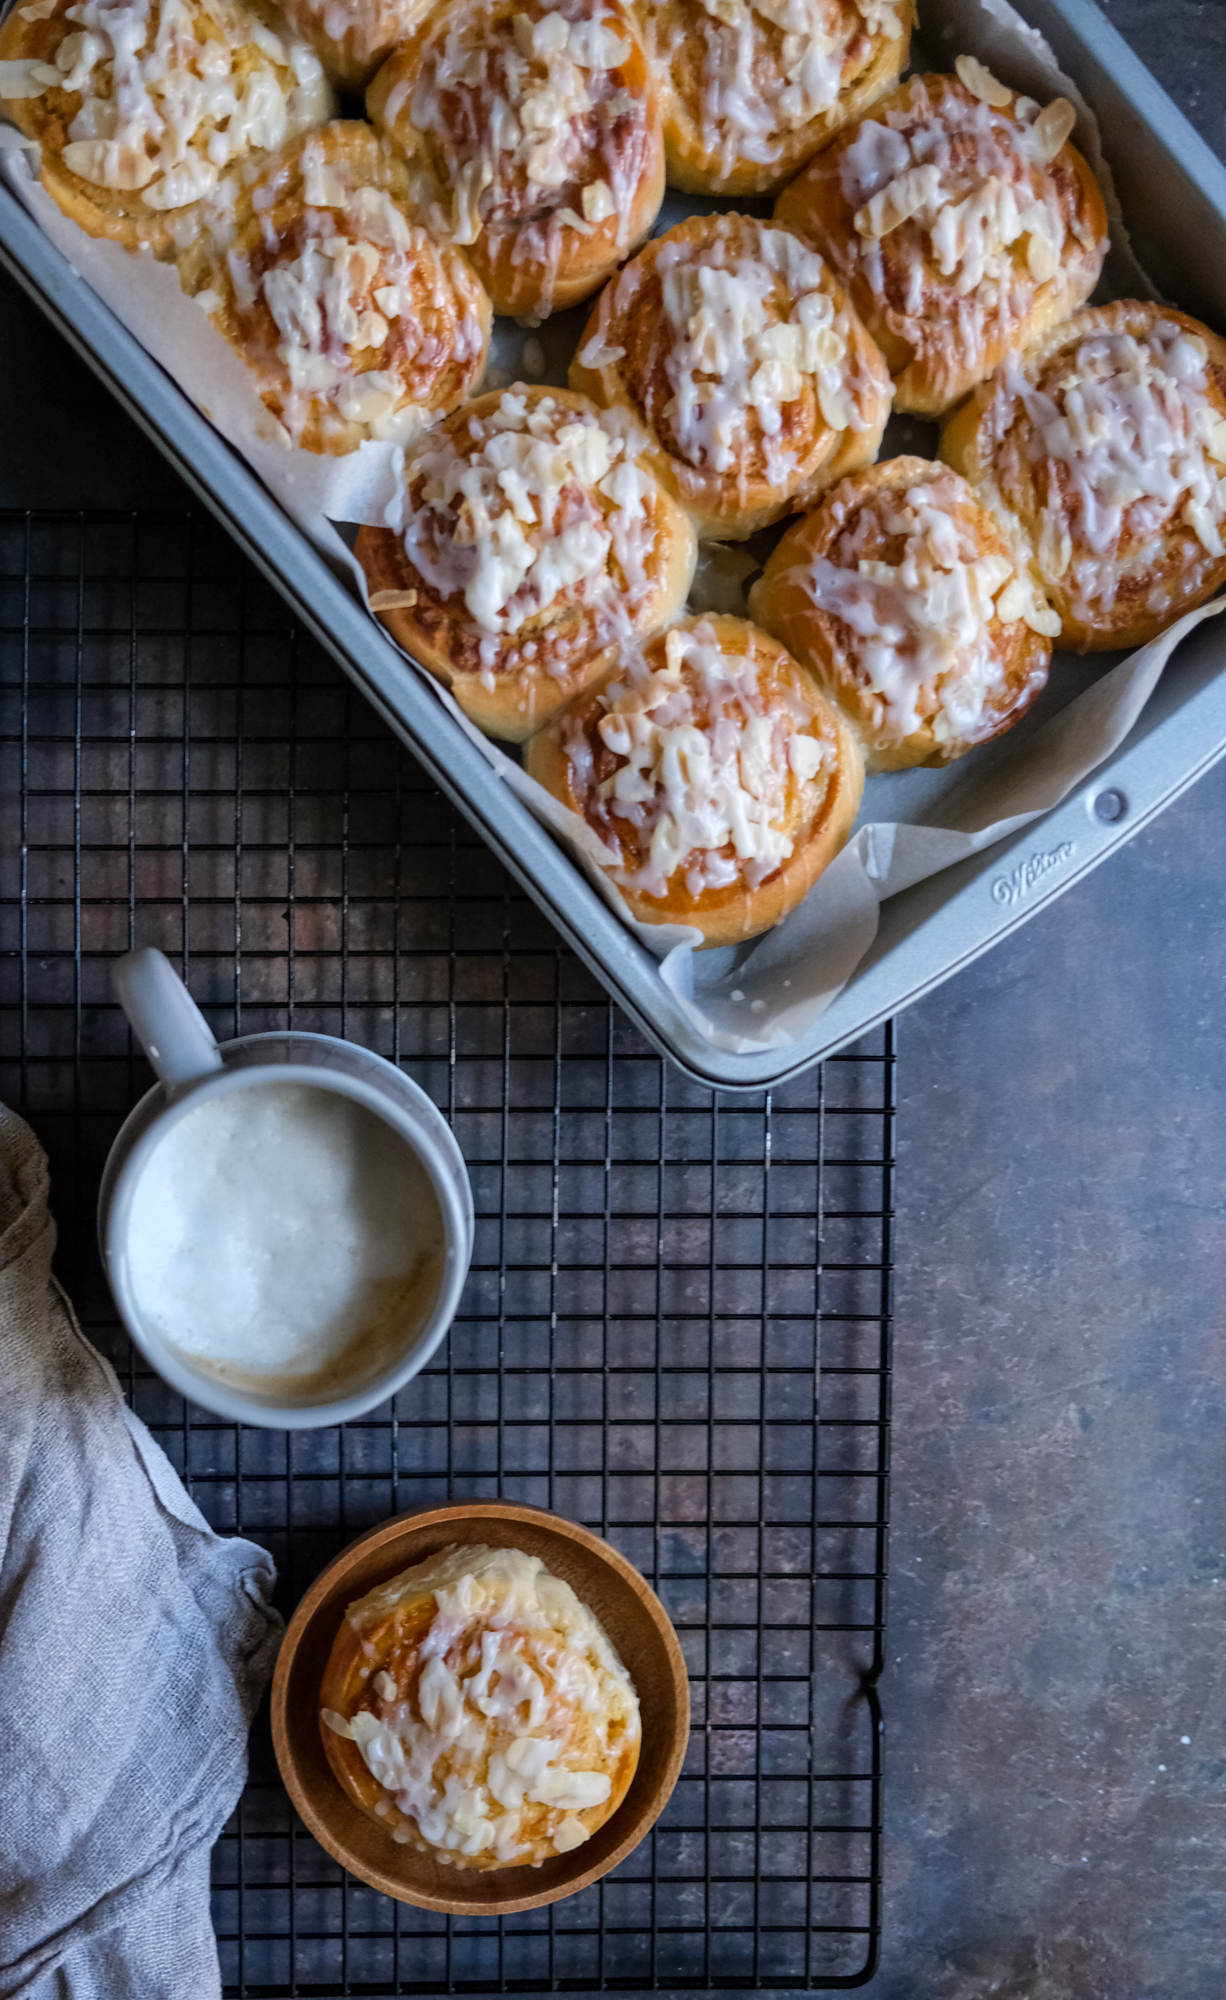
(1056, 1695)
(1056, 1698)
(1056, 1790)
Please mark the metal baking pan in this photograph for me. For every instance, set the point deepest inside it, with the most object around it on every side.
(1173, 194)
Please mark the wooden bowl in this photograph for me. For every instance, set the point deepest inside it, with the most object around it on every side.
(637, 1625)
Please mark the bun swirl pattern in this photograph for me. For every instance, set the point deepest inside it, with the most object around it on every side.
(753, 88)
(531, 541)
(146, 111)
(732, 343)
(534, 134)
(713, 773)
(962, 223)
(903, 597)
(1104, 447)
(355, 323)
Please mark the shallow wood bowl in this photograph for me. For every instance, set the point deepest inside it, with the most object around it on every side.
(638, 1627)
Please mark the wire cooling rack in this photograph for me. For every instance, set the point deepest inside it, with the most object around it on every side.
(638, 1343)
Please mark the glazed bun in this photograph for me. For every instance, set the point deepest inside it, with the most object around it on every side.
(906, 601)
(714, 774)
(475, 1708)
(354, 322)
(203, 88)
(534, 136)
(751, 89)
(733, 344)
(962, 223)
(352, 37)
(531, 542)
(1104, 447)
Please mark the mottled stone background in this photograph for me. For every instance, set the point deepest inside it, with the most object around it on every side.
(1056, 1796)
(1056, 1786)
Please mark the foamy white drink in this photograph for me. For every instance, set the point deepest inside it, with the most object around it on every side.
(284, 1236)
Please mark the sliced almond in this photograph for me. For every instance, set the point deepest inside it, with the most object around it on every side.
(17, 79)
(1011, 601)
(103, 163)
(1216, 443)
(598, 202)
(1042, 259)
(323, 184)
(392, 600)
(550, 36)
(1053, 128)
(978, 79)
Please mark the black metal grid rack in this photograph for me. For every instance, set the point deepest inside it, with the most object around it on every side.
(638, 1344)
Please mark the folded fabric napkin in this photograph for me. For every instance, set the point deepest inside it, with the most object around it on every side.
(134, 1643)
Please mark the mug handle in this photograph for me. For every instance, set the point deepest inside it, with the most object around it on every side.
(164, 1018)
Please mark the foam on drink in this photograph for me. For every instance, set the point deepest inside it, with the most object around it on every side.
(285, 1239)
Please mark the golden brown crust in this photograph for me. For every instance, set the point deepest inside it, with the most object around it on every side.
(703, 53)
(734, 485)
(341, 186)
(391, 1643)
(55, 118)
(549, 170)
(352, 37)
(1144, 565)
(572, 760)
(909, 705)
(345, 1688)
(939, 337)
(510, 681)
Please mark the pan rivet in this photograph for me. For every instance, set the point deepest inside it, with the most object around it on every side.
(1110, 806)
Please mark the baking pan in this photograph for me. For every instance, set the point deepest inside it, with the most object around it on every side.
(1173, 194)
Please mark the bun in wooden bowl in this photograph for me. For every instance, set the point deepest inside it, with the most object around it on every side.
(604, 1582)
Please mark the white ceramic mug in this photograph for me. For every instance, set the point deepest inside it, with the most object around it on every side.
(192, 1067)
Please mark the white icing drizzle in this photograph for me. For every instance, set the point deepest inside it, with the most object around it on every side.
(923, 649)
(730, 354)
(512, 1686)
(165, 112)
(25, 78)
(970, 176)
(710, 765)
(369, 27)
(348, 295)
(1137, 444)
(754, 94)
(536, 516)
(533, 125)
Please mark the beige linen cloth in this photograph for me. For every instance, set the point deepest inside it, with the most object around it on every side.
(134, 1643)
